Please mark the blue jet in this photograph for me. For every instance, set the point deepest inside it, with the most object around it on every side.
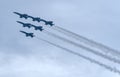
(38, 27)
(21, 15)
(28, 34)
(49, 23)
(35, 18)
(25, 24)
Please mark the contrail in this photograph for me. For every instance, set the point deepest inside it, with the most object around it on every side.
(85, 40)
(83, 47)
(90, 42)
(84, 57)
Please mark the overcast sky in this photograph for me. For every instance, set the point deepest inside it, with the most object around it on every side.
(25, 57)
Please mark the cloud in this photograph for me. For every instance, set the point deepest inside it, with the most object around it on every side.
(29, 66)
(21, 57)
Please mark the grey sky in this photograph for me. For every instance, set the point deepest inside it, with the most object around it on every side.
(26, 57)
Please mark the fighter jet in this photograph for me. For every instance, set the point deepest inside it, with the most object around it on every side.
(25, 24)
(49, 23)
(21, 15)
(35, 18)
(38, 27)
(28, 34)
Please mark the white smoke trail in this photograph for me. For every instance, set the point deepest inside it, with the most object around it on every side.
(83, 47)
(87, 41)
(84, 57)
(90, 42)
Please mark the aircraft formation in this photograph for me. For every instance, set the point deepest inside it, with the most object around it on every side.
(29, 25)
(85, 40)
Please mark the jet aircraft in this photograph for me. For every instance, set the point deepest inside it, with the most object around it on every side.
(38, 27)
(25, 24)
(28, 34)
(21, 15)
(49, 23)
(35, 18)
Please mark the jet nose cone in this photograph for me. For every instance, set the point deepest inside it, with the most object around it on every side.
(18, 21)
(15, 12)
(20, 30)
